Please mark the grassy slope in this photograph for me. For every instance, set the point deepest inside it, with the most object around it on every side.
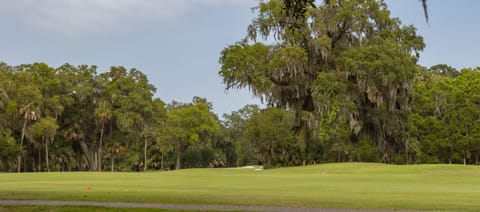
(347, 185)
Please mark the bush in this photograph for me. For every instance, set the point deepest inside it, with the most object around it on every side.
(198, 157)
(366, 152)
(8, 148)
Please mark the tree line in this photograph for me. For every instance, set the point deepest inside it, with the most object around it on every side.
(71, 118)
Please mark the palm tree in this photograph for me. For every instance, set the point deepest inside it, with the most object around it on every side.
(49, 129)
(112, 149)
(103, 114)
(77, 136)
(45, 130)
(29, 113)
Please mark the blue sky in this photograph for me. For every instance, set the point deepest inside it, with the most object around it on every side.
(177, 43)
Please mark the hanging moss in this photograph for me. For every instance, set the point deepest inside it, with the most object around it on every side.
(345, 53)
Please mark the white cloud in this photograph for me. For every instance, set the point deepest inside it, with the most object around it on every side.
(79, 15)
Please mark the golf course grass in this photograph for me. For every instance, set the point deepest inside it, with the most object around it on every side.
(73, 209)
(341, 185)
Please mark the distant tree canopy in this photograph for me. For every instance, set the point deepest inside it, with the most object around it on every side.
(188, 125)
(71, 118)
(445, 116)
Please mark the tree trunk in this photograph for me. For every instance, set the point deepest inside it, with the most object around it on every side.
(406, 152)
(19, 158)
(80, 161)
(95, 159)
(39, 165)
(113, 162)
(46, 154)
(88, 155)
(161, 165)
(179, 159)
(24, 164)
(145, 154)
(100, 148)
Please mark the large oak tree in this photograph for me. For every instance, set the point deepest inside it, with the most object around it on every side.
(350, 51)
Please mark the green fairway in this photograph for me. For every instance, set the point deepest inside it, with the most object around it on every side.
(346, 185)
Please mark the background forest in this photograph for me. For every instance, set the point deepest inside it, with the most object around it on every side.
(341, 82)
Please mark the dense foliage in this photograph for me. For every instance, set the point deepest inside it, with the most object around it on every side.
(445, 117)
(71, 118)
(344, 57)
(81, 127)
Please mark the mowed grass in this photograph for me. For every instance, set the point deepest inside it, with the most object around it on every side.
(343, 185)
(74, 209)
